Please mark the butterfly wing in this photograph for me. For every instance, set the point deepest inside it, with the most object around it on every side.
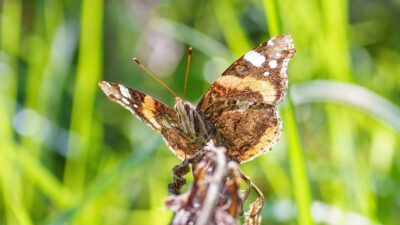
(241, 103)
(157, 115)
(258, 76)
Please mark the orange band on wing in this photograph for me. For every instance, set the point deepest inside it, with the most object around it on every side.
(148, 112)
(264, 87)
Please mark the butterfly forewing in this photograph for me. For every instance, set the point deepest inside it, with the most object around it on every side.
(258, 76)
(157, 115)
(241, 103)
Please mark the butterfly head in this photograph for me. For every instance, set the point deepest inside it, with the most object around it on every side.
(181, 104)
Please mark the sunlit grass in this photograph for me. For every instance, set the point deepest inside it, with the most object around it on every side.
(12, 205)
(299, 178)
(89, 70)
(82, 164)
(233, 32)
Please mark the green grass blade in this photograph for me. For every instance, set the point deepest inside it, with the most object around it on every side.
(233, 32)
(15, 211)
(12, 187)
(102, 183)
(276, 175)
(10, 46)
(299, 177)
(44, 180)
(271, 12)
(348, 94)
(88, 74)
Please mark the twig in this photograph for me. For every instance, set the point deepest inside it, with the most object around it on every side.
(214, 186)
(214, 197)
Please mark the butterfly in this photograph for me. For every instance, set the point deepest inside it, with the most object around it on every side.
(238, 111)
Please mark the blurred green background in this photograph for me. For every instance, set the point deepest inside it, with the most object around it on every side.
(69, 156)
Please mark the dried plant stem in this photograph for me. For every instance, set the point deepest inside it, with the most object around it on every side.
(214, 197)
(251, 185)
(214, 187)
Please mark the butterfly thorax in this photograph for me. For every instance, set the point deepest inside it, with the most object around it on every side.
(190, 121)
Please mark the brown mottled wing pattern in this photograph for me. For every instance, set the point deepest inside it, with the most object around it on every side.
(241, 104)
(154, 113)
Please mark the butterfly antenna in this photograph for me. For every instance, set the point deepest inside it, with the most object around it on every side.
(154, 76)
(187, 71)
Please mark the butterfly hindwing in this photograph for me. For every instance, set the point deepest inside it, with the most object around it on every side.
(246, 129)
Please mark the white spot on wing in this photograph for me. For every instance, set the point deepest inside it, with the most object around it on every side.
(266, 74)
(124, 91)
(126, 101)
(273, 64)
(135, 106)
(254, 58)
(270, 42)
